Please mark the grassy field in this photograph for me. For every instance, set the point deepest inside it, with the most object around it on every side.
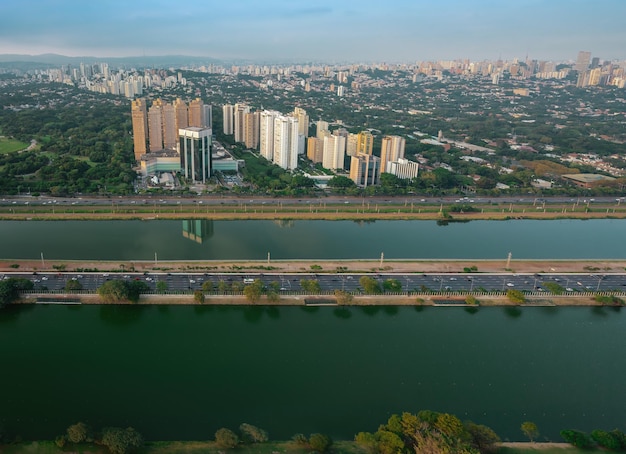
(8, 145)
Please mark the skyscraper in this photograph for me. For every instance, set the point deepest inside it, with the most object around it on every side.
(155, 125)
(315, 149)
(582, 62)
(365, 170)
(182, 114)
(365, 142)
(251, 129)
(286, 142)
(140, 127)
(195, 153)
(239, 126)
(334, 152)
(266, 134)
(196, 113)
(170, 133)
(391, 150)
(227, 117)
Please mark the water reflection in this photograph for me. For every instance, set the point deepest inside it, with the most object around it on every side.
(390, 310)
(513, 311)
(121, 315)
(472, 310)
(198, 230)
(370, 310)
(342, 312)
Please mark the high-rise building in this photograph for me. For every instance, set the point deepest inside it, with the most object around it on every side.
(321, 126)
(196, 113)
(365, 143)
(582, 62)
(170, 133)
(195, 153)
(286, 142)
(155, 125)
(140, 127)
(227, 117)
(208, 116)
(182, 114)
(303, 121)
(266, 133)
(251, 129)
(391, 150)
(365, 170)
(315, 149)
(239, 127)
(351, 144)
(334, 152)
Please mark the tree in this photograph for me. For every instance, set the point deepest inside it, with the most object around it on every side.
(253, 291)
(78, 433)
(10, 289)
(392, 285)
(311, 285)
(339, 181)
(226, 438)
(516, 296)
(343, 297)
(121, 441)
(370, 285)
(161, 287)
(252, 434)
(320, 442)
(483, 437)
(207, 286)
(613, 440)
(73, 286)
(198, 296)
(577, 438)
(530, 430)
(389, 442)
(471, 300)
(117, 290)
(367, 441)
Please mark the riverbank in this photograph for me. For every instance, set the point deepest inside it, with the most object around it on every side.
(285, 447)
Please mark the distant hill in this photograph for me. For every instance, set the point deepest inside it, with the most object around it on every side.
(136, 62)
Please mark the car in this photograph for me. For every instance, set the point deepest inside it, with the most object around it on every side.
(126, 276)
(80, 276)
(44, 278)
(453, 278)
(191, 281)
(510, 284)
(447, 287)
(149, 279)
(283, 289)
(569, 289)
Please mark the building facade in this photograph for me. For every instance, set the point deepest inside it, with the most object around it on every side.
(195, 153)
(365, 170)
(139, 117)
(391, 150)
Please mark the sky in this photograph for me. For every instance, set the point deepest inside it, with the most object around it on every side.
(317, 30)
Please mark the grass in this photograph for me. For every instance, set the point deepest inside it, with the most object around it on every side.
(8, 145)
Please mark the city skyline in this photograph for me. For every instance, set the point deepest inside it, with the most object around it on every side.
(340, 31)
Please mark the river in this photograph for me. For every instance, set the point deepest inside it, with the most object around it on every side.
(252, 240)
(181, 372)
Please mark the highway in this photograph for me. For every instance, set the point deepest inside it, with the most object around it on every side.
(416, 282)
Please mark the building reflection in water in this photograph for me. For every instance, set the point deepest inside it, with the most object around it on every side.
(198, 230)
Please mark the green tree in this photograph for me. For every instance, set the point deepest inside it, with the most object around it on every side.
(370, 285)
(339, 181)
(73, 285)
(471, 300)
(117, 290)
(79, 433)
(226, 438)
(161, 287)
(553, 287)
(530, 430)
(577, 438)
(320, 442)
(343, 297)
(198, 296)
(389, 442)
(223, 287)
(10, 289)
(121, 441)
(483, 438)
(252, 434)
(311, 285)
(392, 285)
(207, 286)
(516, 296)
(253, 291)
(367, 441)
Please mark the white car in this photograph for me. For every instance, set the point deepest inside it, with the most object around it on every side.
(510, 284)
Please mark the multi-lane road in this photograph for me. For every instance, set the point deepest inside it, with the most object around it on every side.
(438, 282)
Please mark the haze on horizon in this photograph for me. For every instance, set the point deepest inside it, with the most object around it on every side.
(320, 30)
